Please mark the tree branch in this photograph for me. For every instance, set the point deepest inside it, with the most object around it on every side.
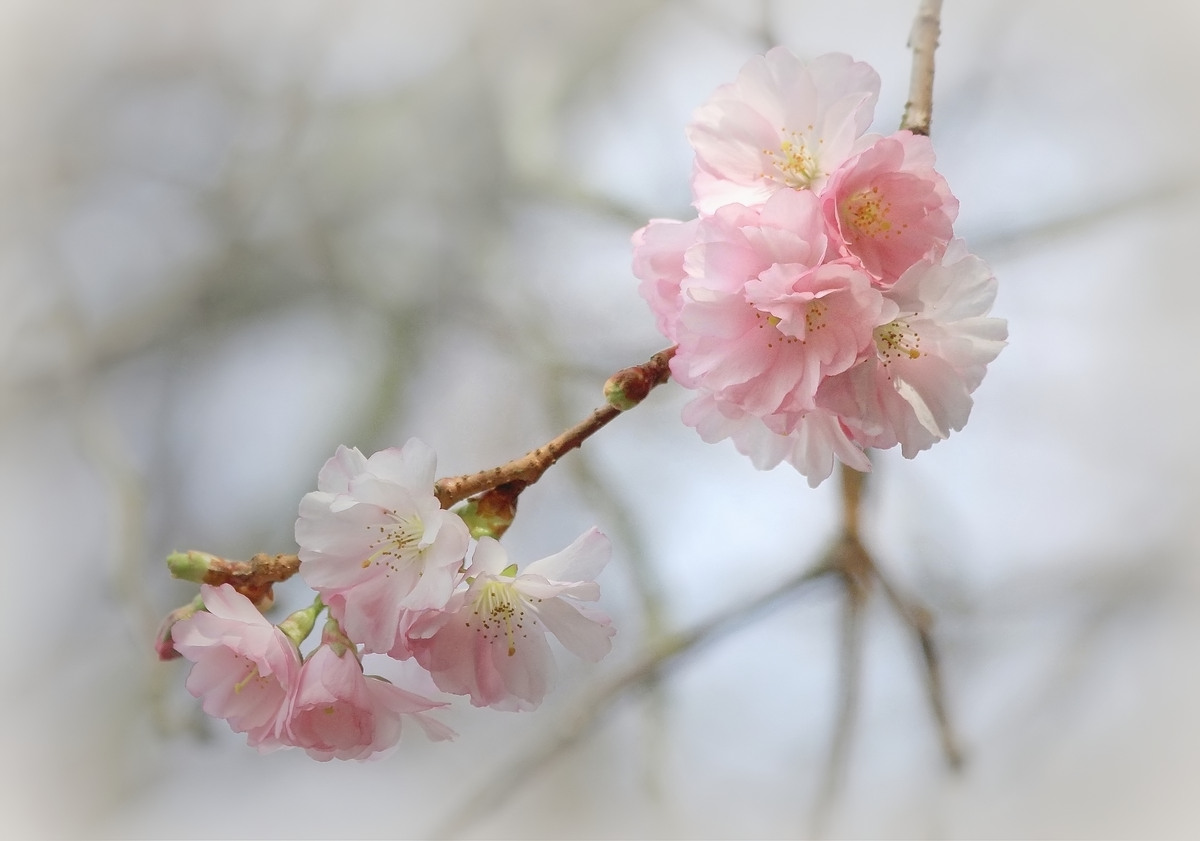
(918, 112)
(624, 390)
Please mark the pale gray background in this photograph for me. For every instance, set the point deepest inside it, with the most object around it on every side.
(236, 234)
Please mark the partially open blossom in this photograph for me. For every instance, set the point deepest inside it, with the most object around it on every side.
(340, 713)
(490, 643)
(374, 541)
(783, 124)
(890, 206)
(244, 667)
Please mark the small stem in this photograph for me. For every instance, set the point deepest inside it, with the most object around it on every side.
(852, 490)
(252, 578)
(918, 112)
(634, 384)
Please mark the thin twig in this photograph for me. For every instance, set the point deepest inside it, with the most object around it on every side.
(633, 384)
(624, 389)
(849, 683)
(918, 112)
(920, 620)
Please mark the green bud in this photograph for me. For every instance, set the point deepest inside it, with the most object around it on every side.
(491, 513)
(299, 625)
(191, 565)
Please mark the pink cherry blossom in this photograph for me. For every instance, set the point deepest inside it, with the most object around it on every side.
(781, 124)
(916, 388)
(340, 713)
(889, 205)
(763, 319)
(244, 667)
(490, 643)
(374, 542)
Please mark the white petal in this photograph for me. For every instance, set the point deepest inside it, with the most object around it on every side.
(581, 561)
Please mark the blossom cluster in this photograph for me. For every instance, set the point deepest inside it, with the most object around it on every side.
(392, 569)
(819, 303)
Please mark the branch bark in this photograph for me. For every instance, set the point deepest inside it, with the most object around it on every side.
(624, 389)
(918, 112)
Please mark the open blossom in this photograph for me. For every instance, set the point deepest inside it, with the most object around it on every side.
(340, 713)
(375, 543)
(761, 318)
(890, 206)
(781, 124)
(244, 667)
(916, 388)
(754, 326)
(490, 643)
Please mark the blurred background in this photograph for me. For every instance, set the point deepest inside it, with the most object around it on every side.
(234, 235)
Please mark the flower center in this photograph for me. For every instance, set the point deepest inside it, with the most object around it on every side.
(867, 212)
(251, 675)
(795, 165)
(896, 340)
(814, 315)
(397, 542)
(501, 613)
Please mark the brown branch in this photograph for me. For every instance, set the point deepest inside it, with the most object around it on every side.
(624, 389)
(253, 578)
(918, 111)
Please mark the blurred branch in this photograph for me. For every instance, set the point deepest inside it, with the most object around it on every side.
(850, 658)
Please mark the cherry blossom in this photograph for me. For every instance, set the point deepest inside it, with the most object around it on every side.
(340, 713)
(761, 319)
(490, 643)
(890, 206)
(244, 667)
(375, 543)
(782, 124)
(916, 388)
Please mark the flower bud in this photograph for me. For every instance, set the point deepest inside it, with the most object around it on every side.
(492, 512)
(164, 646)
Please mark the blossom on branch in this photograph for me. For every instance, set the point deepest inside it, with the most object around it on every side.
(817, 304)
(375, 543)
(245, 668)
(490, 642)
(340, 713)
